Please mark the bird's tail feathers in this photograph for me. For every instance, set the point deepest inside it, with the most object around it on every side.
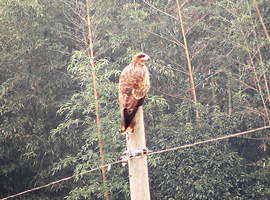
(127, 125)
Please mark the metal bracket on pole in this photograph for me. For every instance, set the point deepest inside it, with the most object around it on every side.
(129, 154)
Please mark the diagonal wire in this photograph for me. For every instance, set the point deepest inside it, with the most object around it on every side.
(149, 154)
(61, 180)
(209, 140)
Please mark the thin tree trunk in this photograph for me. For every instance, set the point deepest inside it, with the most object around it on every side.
(261, 20)
(255, 71)
(267, 36)
(193, 91)
(229, 96)
(91, 54)
(213, 90)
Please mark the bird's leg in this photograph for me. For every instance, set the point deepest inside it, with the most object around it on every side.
(130, 128)
(128, 131)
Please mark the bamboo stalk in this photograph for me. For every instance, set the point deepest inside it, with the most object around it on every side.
(91, 54)
(267, 36)
(255, 71)
(213, 90)
(193, 91)
(229, 96)
(261, 19)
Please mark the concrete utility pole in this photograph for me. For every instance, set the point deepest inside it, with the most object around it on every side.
(138, 168)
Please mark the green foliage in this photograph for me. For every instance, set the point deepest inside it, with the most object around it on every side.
(48, 110)
(33, 83)
(80, 124)
(213, 170)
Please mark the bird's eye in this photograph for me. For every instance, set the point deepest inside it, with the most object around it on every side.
(141, 56)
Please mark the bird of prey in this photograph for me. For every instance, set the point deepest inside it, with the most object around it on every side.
(134, 84)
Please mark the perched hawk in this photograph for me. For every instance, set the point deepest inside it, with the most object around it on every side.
(134, 83)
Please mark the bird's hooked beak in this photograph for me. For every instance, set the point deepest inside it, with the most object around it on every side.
(146, 57)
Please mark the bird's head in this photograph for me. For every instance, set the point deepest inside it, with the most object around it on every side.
(140, 58)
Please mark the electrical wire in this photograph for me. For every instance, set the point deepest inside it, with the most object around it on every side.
(209, 140)
(61, 180)
(149, 154)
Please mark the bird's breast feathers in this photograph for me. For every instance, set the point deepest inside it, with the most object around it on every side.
(134, 84)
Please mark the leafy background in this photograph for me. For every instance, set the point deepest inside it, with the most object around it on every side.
(47, 108)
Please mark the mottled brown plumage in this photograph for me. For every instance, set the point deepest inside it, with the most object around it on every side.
(134, 83)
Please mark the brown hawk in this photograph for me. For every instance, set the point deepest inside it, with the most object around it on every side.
(134, 83)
